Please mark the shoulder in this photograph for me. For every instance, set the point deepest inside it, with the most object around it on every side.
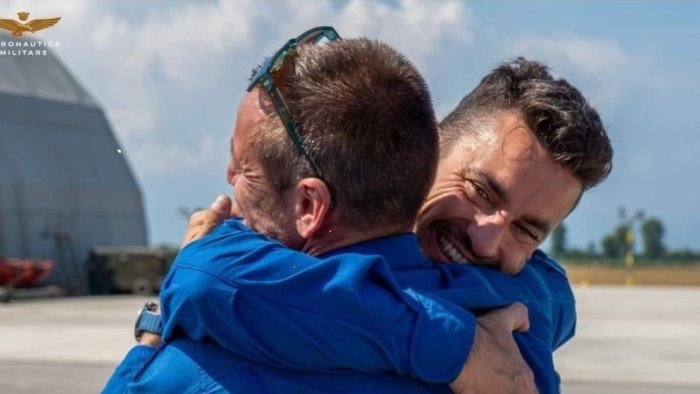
(230, 241)
(543, 262)
(553, 276)
(561, 295)
(228, 233)
(233, 252)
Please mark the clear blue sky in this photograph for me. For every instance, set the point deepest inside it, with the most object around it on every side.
(170, 75)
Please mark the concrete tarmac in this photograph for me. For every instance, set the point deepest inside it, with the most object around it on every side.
(635, 336)
(629, 340)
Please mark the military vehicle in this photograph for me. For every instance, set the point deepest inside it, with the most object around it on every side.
(137, 270)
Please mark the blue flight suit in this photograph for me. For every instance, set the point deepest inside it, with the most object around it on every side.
(243, 311)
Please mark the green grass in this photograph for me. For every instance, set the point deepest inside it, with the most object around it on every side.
(666, 275)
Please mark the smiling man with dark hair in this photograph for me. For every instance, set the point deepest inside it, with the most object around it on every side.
(516, 156)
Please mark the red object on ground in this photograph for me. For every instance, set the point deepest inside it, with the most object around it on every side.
(24, 272)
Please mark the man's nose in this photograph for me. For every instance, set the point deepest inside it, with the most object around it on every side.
(486, 234)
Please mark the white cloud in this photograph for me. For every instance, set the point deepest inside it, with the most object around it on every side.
(417, 28)
(182, 39)
(127, 59)
(611, 71)
(189, 46)
(600, 61)
(120, 56)
(162, 158)
(594, 57)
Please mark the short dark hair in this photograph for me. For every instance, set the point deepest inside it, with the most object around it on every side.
(561, 118)
(365, 115)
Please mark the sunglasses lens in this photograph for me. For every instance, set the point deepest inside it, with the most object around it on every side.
(262, 70)
(273, 64)
(279, 59)
(318, 36)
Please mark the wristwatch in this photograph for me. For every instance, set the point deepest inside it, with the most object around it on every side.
(148, 320)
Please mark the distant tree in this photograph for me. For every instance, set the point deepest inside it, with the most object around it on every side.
(652, 236)
(558, 240)
(614, 244)
(683, 255)
(591, 250)
(610, 247)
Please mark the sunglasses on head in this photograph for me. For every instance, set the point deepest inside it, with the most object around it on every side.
(265, 76)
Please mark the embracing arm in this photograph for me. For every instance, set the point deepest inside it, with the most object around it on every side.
(132, 363)
(330, 326)
(557, 313)
(270, 304)
(561, 296)
(542, 286)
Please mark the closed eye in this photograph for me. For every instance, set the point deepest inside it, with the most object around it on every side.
(527, 235)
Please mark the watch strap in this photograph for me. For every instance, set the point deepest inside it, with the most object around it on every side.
(150, 322)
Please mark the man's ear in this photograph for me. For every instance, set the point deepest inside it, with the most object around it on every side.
(313, 201)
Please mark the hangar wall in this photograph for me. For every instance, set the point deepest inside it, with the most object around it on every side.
(64, 185)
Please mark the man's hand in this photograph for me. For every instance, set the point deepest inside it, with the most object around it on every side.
(203, 222)
(149, 339)
(495, 364)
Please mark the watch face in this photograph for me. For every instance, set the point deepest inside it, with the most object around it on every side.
(150, 306)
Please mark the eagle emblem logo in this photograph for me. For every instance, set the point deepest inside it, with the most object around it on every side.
(21, 27)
